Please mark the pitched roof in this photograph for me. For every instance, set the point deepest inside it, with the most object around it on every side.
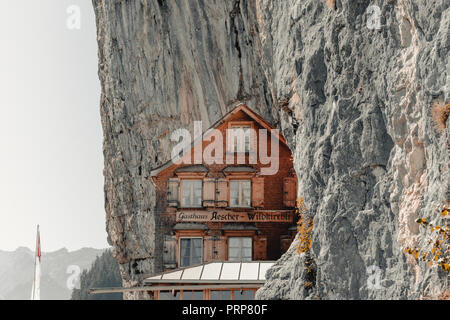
(216, 272)
(240, 107)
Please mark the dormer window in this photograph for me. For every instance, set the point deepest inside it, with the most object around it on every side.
(241, 138)
(191, 193)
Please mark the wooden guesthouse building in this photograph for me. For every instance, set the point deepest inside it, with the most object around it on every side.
(226, 211)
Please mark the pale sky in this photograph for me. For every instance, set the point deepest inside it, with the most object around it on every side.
(51, 158)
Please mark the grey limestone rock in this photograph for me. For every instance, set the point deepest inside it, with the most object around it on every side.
(352, 98)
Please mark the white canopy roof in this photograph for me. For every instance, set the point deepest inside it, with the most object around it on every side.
(216, 272)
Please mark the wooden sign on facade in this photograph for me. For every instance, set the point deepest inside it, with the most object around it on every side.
(228, 216)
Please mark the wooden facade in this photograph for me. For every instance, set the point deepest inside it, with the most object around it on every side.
(226, 212)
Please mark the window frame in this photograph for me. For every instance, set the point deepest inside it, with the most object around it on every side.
(191, 248)
(230, 146)
(240, 205)
(241, 247)
(182, 205)
(171, 296)
(253, 292)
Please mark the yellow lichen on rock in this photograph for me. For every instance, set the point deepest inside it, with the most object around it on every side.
(305, 225)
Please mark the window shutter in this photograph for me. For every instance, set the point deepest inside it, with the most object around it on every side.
(285, 242)
(169, 253)
(260, 248)
(209, 192)
(222, 192)
(258, 192)
(215, 248)
(172, 192)
(290, 191)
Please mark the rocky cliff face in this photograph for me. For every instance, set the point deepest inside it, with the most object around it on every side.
(350, 86)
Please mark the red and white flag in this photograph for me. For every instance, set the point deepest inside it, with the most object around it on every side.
(36, 289)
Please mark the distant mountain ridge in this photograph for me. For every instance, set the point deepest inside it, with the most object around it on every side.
(17, 268)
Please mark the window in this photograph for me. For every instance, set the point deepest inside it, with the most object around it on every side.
(190, 251)
(169, 295)
(191, 193)
(220, 295)
(244, 295)
(240, 136)
(240, 193)
(192, 295)
(239, 249)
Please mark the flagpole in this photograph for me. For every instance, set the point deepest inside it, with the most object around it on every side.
(35, 253)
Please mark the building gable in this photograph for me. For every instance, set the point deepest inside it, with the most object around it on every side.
(241, 115)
